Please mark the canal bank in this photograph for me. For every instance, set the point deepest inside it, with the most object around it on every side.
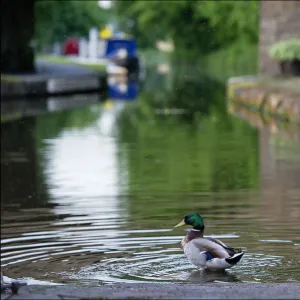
(276, 127)
(53, 78)
(273, 98)
(164, 291)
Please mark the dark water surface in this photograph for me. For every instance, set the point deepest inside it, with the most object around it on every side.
(91, 195)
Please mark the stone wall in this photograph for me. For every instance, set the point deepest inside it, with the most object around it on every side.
(278, 20)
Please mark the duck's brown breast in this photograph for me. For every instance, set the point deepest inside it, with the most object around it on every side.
(191, 234)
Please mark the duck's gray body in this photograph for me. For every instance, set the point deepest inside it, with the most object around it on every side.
(209, 253)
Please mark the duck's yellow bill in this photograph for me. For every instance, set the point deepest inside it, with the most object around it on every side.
(180, 224)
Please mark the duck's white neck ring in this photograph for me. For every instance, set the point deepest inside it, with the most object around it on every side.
(198, 230)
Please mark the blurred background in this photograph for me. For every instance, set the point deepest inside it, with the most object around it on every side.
(116, 121)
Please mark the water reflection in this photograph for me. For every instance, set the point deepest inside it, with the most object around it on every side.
(111, 180)
(192, 92)
(19, 168)
(85, 181)
(277, 128)
(279, 149)
(122, 89)
(20, 108)
(279, 181)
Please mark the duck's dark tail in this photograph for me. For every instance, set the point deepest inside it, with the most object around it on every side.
(235, 258)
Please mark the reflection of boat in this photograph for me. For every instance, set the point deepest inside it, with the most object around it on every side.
(212, 276)
(67, 102)
(122, 89)
(114, 70)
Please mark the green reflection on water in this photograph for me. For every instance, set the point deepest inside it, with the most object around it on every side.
(203, 150)
(50, 125)
(183, 153)
(204, 160)
(172, 157)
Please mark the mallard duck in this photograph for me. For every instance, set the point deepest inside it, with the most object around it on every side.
(206, 252)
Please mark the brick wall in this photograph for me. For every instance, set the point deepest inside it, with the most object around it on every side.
(278, 20)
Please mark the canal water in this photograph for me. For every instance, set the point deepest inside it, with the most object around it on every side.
(91, 195)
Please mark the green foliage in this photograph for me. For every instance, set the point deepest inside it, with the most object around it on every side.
(286, 50)
(196, 27)
(68, 61)
(127, 21)
(60, 19)
(153, 56)
(228, 62)
(232, 20)
(164, 19)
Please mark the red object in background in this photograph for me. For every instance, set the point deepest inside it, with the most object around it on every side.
(71, 46)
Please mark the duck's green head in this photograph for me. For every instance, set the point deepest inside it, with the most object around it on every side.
(194, 220)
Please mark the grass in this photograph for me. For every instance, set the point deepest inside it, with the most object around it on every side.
(68, 61)
(10, 117)
(55, 59)
(10, 78)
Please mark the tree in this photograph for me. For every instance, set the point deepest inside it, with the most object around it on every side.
(57, 20)
(196, 27)
(232, 20)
